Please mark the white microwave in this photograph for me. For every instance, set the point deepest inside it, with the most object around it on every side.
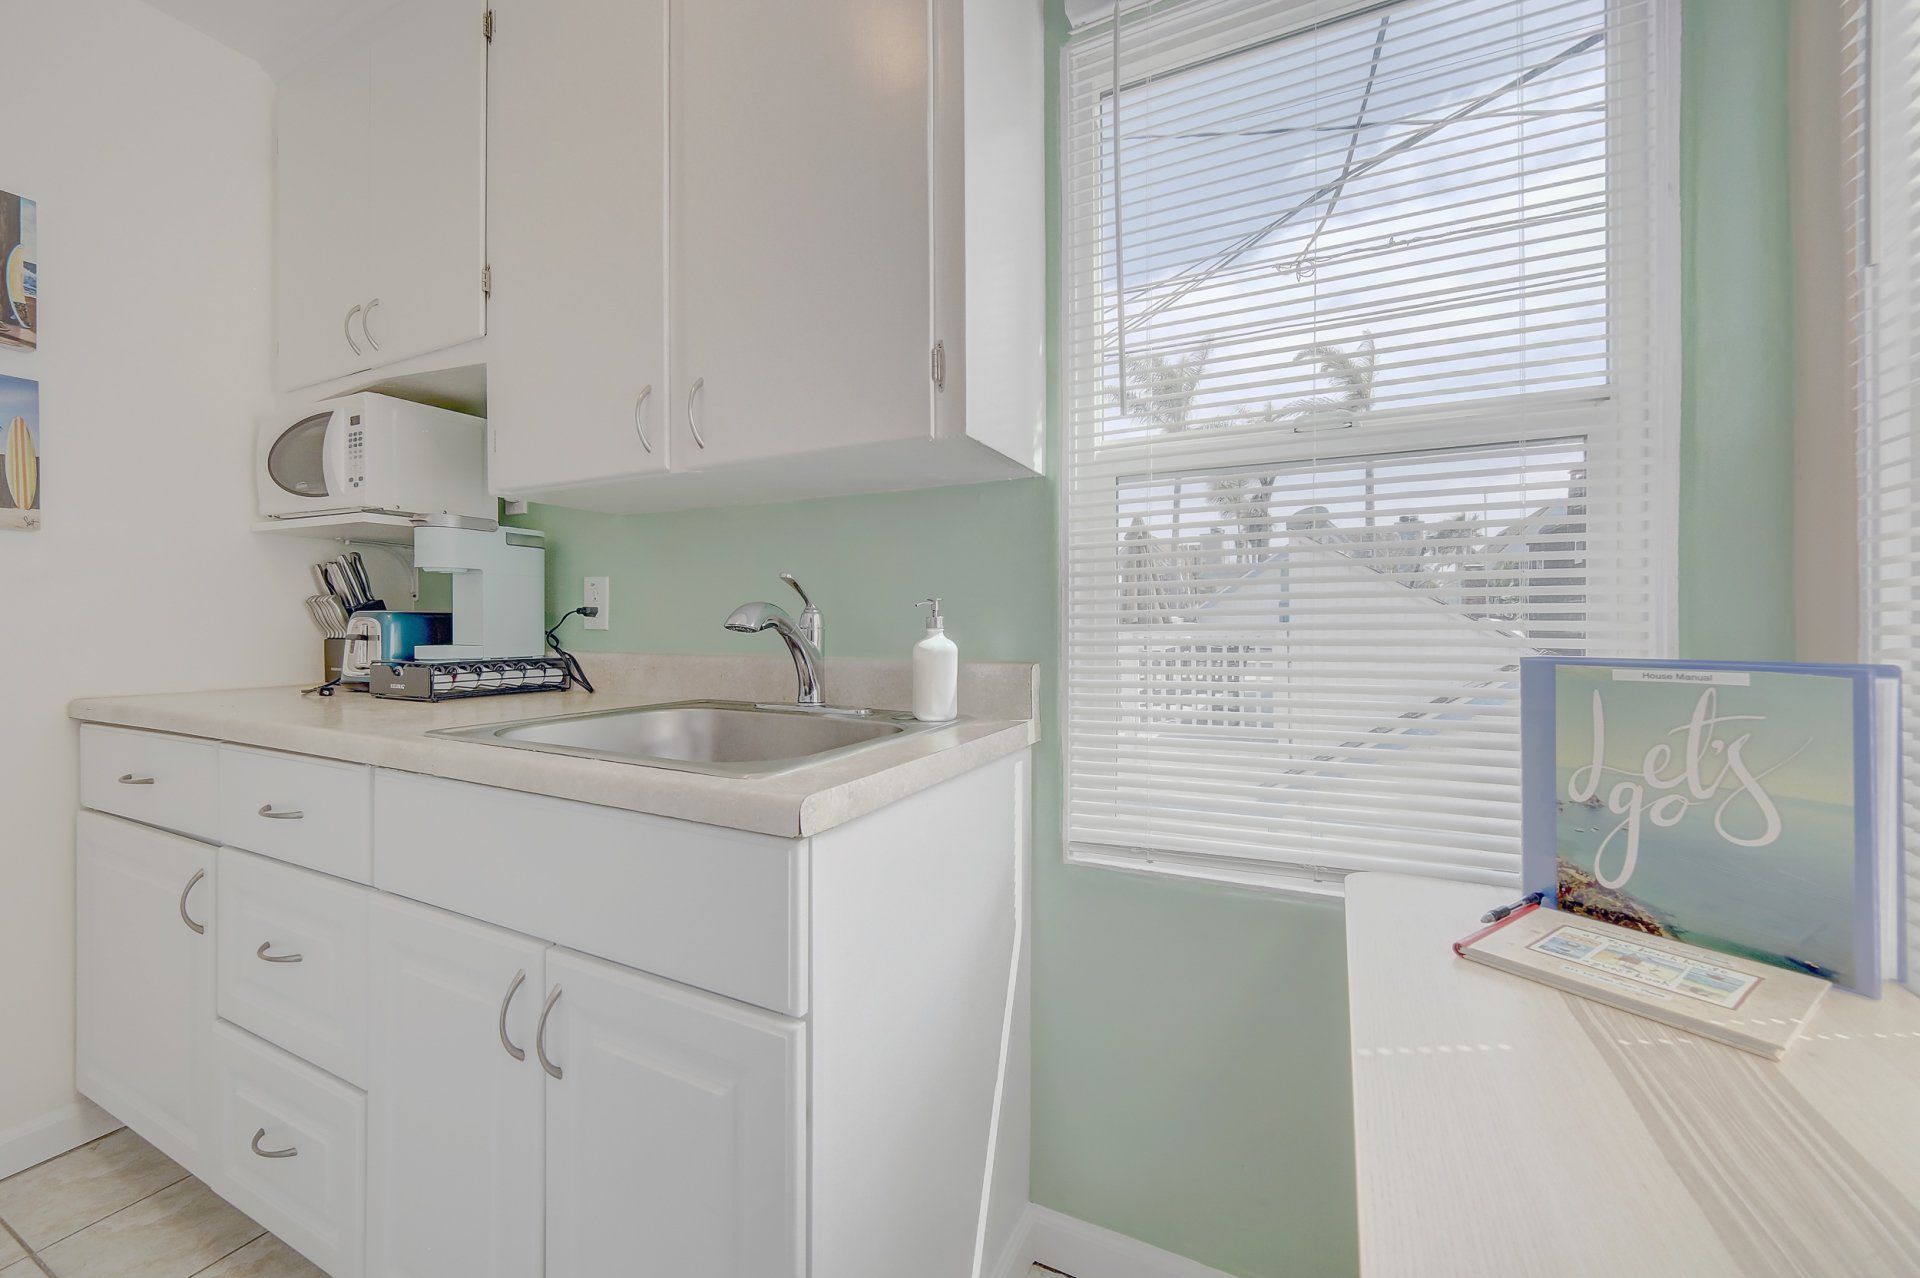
(376, 453)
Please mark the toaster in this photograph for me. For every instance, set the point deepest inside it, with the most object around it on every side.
(375, 636)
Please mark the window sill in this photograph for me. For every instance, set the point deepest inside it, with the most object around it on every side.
(1327, 885)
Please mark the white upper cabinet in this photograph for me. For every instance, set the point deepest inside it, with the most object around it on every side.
(577, 368)
(801, 228)
(380, 238)
(766, 237)
(321, 210)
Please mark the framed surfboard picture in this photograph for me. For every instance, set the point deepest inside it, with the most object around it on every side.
(19, 453)
(19, 272)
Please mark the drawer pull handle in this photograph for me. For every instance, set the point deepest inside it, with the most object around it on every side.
(260, 1135)
(261, 953)
(127, 778)
(291, 814)
(518, 1053)
(540, 1034)
(186, 918)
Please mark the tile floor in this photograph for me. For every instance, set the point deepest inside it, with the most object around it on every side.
(119, 1208)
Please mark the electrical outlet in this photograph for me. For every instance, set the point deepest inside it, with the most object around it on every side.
(597, 592)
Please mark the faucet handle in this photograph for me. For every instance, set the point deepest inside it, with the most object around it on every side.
(800, 590)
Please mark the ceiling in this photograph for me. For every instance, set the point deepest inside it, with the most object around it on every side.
(275, 33)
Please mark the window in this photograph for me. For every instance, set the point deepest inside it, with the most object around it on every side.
(1881, 93)
(1370, 356)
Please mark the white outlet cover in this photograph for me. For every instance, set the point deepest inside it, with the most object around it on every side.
(597, 592)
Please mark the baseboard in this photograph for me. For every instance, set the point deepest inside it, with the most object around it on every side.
(38, 1139)
(1074, 1247)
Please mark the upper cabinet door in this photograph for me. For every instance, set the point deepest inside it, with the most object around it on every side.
(320, 217)
(427, 162)
(145, 961)
(800, 226)
(576, 373)
(455, 1120)
(675, 1127)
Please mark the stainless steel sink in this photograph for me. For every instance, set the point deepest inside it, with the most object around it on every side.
(721, 738)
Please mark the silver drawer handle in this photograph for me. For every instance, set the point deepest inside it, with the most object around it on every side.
(638, 405)
(346, 326)
(366, 323)
(291, 814)
(127, 778)
(186, 918)
(261, 953)
(540, 1034)
(260, 1135)
(518, 1053)
(693, 423)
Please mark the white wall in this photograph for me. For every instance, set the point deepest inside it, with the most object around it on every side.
(148, 148)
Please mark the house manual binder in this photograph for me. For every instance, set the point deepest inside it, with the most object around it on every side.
(1746, 807)
(1752, 1006)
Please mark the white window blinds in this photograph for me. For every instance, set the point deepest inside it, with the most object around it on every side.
(1369, 360)
(1881, 91)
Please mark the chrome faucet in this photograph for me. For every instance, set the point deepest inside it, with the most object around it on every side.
(803, 640)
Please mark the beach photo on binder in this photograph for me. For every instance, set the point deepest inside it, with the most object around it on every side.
(1750, 808)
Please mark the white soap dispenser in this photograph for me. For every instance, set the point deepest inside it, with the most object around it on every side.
(936, 670)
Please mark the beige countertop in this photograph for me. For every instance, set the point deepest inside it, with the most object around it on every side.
(997, 701)
(1504, 1127)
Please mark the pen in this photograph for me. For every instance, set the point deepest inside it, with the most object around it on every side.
(1495, 915)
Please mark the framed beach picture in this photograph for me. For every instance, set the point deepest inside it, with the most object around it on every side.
(19, 272)
(19, 453)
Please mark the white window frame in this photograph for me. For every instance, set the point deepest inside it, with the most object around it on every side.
(1407, 429)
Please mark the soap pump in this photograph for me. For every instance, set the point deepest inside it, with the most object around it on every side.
(936, 670)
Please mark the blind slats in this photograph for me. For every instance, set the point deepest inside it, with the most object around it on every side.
(1881, 92)
(1364, 404)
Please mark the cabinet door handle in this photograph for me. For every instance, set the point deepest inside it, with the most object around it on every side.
(127, 778)
(639, 404)
(518, 1053)
(346, 326)
(693, 423)
(366, 323)
(186, 918)
(291, 814)
(540, 1035)
(261, 953)
(260, 1135)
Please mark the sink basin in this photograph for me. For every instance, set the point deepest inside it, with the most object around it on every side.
(721, 738)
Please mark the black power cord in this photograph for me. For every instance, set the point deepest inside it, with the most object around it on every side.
(553, 642)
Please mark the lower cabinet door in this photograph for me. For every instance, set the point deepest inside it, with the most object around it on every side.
(144, 971)
(291, 1149)
(675, 1129)
(455, 1101)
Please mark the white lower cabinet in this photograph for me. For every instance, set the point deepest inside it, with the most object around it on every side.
(144, 973)
(290, 1149)
(675, 1129)
(803, 1082)
(456, 1105)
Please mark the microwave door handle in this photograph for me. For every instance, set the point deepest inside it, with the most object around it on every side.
(333, 455)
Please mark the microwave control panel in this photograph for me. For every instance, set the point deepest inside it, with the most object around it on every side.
(356, 453)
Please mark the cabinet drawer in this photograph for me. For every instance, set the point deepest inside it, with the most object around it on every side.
(290, 1149)
(312, 812)
(720, 909)
(171, 782)
(292, 960)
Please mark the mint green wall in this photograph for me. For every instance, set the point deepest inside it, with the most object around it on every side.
(1736, 510)
(1191, 1082)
